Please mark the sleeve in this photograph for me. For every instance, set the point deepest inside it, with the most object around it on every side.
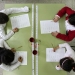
(6, 45)
(11, 67)
(68, 37)
(69, 50)
(65, 10)
(15, 10)
(5, 37)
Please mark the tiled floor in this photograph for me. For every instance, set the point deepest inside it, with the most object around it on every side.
(70, 3)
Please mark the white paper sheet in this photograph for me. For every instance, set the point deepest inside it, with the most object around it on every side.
(20, 21)
(54, 56)
(48, 26)
(23, 54)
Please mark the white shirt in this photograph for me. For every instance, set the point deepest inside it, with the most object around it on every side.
(68, 26)
(7, 12)
(14, 64)
(69, 51)
(3, 37)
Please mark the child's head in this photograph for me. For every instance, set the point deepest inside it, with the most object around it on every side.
(72, 19)
(3, 18)
(6, 56)
(67, 64)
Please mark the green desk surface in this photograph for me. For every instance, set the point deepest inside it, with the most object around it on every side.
(21, 38)
(47, 12)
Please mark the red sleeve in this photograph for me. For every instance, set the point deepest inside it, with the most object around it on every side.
(68, 37)
(65, 10)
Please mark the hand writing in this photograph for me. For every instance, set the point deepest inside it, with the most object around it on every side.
(54, 33)
(15, 30)
(20, 59)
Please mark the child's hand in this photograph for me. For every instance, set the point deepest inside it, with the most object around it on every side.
(13, 50)
(20, 59)
(55, 48)
(15, 30)
(54, 33)
(56, 18)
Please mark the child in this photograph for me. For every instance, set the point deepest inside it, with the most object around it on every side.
(70, 24)
(8, 57)
(68, 62)
(4, 19)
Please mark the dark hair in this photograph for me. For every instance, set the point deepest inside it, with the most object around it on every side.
(3, 18)
(67, 64)
(72, 19)
(6, 56)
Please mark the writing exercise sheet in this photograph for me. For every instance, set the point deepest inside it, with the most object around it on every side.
(48, 26)
(54, 56)
(20, 21)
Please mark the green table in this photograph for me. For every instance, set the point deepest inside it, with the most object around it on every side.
(47, 12)
(21, 38)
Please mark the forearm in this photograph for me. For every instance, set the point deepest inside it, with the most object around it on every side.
(10, 34)
(67, 47)
(65, 10)
(14, 66)
(11, 67)
(62, 12)
(15, 10)
(65, 37)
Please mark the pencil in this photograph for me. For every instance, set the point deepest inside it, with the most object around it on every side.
(19, 47)
(52, 45)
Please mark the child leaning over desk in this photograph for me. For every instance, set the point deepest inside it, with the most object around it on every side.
(67, 63)
(8, 58)
(4, 19)
(69, 24)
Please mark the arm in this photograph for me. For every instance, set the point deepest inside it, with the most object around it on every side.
(68, 37)
(11, 67)
(65, 10)
(6, 45)
(5, 37)
(15, 10)
(62, 12)
(69, 50)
